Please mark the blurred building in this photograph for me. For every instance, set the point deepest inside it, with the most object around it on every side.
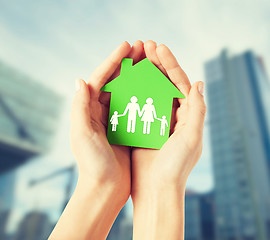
(192, 216)
(236, 91)
(34, 226)
(7, 182)
(199, 216)
(207, 208)
(122, 227)
(28, 117)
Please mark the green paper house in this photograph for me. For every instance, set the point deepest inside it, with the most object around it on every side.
(141, 105)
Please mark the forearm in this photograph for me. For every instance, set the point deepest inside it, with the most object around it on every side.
(89, 214)
(159, 214)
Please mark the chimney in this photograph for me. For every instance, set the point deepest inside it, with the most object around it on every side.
(126, 65)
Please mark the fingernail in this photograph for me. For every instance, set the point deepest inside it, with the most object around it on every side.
(78, 84)
(201, 88)
(125, 42)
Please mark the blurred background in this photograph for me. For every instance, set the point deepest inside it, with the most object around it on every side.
(46, 45)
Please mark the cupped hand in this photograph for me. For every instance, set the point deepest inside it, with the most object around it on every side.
(98, 161)
(170, 166)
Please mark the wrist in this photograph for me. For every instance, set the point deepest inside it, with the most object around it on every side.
(104, 190)
(156, 188)
(162, 213)
(91, 211)
(158, 193)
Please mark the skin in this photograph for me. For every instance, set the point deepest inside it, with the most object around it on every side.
(158, 176)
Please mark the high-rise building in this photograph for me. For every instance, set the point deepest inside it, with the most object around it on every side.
(29, 114)
(7, 182)
(122, 227)
(207, 208)
(240, 145)
(34, 226)
(192, 216)
(199, 216)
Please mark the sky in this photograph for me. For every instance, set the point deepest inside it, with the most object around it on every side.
(56, 42)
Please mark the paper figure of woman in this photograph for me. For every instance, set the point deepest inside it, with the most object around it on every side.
(148, 114)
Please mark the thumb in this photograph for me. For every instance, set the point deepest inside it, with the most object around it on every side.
(80, 112)
(196, 107)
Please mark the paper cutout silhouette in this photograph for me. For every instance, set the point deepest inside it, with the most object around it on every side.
(141, 93)
(148, 114)
(163, 125)
(132, 109)
(114, 120)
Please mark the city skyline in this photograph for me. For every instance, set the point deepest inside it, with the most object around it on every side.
(54, 52)
(57, 42)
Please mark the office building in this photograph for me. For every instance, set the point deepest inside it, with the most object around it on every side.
(29, 113)
(192, 216)
(199, 216)
(34, 226)
(240, 145)
(122, 227)
(7, 182)
(28, 117)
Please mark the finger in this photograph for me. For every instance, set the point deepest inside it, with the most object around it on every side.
(135, 53)
(150, 52)
(105, 115)
(80, 112)
(181, 115)
(175, 72)
(104, 98)
(196, 107)
(100, 76)
(143, 56)
(173, 117)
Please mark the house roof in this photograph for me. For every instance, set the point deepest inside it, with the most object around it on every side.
(146, 75)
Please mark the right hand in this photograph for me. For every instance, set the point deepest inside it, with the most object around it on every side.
(98, 161)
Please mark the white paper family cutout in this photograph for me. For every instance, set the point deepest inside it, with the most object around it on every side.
(147, 115)
(139, 95)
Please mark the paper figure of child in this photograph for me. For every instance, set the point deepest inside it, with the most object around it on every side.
(163, 125)
(114, 120)
(148, 114)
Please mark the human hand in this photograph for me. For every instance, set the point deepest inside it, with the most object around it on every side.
(169, 167)
(99, 162)
(104, 171)
(159, 176)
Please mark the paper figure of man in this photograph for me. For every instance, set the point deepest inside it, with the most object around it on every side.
(132, 108)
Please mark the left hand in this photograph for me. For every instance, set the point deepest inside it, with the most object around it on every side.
(170, 166)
